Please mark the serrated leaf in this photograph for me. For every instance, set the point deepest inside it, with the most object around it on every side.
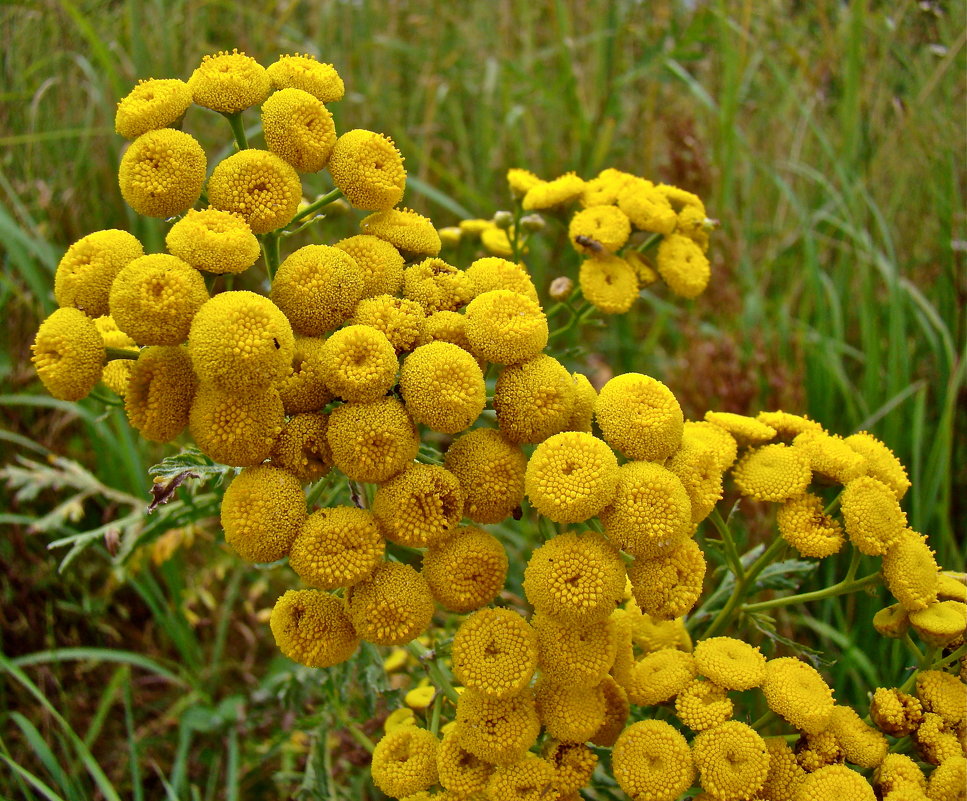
(764, 623)
(786, 575)
(190, 460)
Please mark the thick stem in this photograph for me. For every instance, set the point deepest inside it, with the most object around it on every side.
(270, 250)
(728, 544)
(842, 588)
(427, 658)
(120, 353)
(313, 207)
(238, 129)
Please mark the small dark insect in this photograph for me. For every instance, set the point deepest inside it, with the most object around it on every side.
(276, 343)
(518, 513)
(589, 243)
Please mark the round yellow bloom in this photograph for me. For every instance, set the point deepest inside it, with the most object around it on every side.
(830, 456)
(937, 740)
(521, 781)
(117, 372)
(419, 507)
(834, 781)
(68, 354)
(575, 578)
(302, 447)
(159, 392)
(700, 705)
(651, 760)
(816, 750)
(603, 189)
(317, 287)
(443, 387)
(785, 773)
(730, 663)
(214, 241)
(872, 516)
(303, 389)
(653, 634)
(262, 512)
(607, 227)
(152, 104)
(683, 266)
(642, 265)
(337, 547)
(773, 473)
(372, 441)
(571, 477)
(639, 416)
(85, 273)
(569, 713)
(575, 655)
(235, 429)
(399, 717)
(940, 623)
(368, 169)
(948, 781)
(392, 606)
(651, 513)
(892, 621)
(240, 341)
(797, 693)
(304, 72)
(496, 241)
(405, 761)
(299, 129)
(358, 364)
(436, 285)
(910, 571)
(312, 628)
(698, 468)
(609, 283)
(573, 764)
(445, 326)
(460, 772)
(491, 473)
(380, 264)
(660, 676)
(786, 424)
(229, 82)
(894, 712)
(491, 273)
(533, 400)
(401, 320)
(497, 730)
(881, 462)
(420, 697)
(547, 194)
(747, 430)
(948, 587)
(404, 229)
(669, 585)
(943, 694)
(506, 327)
(495, 651)
(714, 438)
(585, 396)
(732, 761)
(616, 713)
(647, 207)
(895, 771)
(258, 185)
(521, 181)
(162, 172)
(466, 570)
(806, 527)
(862, 744)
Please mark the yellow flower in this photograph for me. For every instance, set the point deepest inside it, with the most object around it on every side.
(460, 772)
(575, 655)
(159, 392)
(573, 764)
(152, 104)
(639, 416)
(862, 744)
(797, 693)
(445, 326)
(337, 547)
(830, 456)
(420, 697)
(521, 781)
(450, 236)
(834, 781)
(730, 663)
(299, 129)
(616, 713)
(398, 717)
(647, 207)
(117, 372)
(786, 424)
(892, 621)
(872, 516)
(392, 606)
(773, 473)
(732, 761)
(494, 651)
(312, 628)
(947, 782)
(547, 194)
(379, 263)
(240, 341)
(571, 477)
(606, 227)
(937, 740)
(162, 172)
(895, 771)
(85, 273)
(746, 430)
(669, 585)
(683, 266)
(575, 578)
(368, 169)
(405, 761)
(405, 230)
(807, 528)
(419, 507)
(235, 429)
(436, 285)
(603, 189)
(214, 241)
(491, 472)
(943, 694)
(506, 327)
(229, 82)
(714, 438)
(785, 773)
(497, 730)
(651, 760)
(304, 72)
(609, 283)
(443, 387)
(940, 623)
(401, 320)
(521, 181)
(358, 364)
(910, 571)
(466, 570)
(490, 273)
(262, 511)
(660, 676)
(473, 228)
(881, 462)
(948, 587)
(302, 447)
(697, 466)
(258, 185)
(372, 441)
(650, 514)
(895, 712)
(68, 354)
(643, 267)
(585, 396)
(568, 712)
(654, 634)
(303, 388)
(496, 242)
(533, 399)
(701, 705)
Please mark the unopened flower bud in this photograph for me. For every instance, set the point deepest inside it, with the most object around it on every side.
(503, 220)
(561, 288)
(532, 223)
(450, 237)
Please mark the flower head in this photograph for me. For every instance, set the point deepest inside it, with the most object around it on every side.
(616, 711)
(948, 780)
(495, 651)
(746, 430)
(490, 470)
(312, 628)
(669, 585)
(68, 354)
(446, 326)
(940, 623)
(520, 181)
(585, 396)
(304, 72)
(892, 621)
(647, 207)
(85, 273)
(405, 761)
(575, 655)
(460, 772)
(830, 456)
(419, 507)
(443, 387)
(697, 466)
(162, 172)
(881, 462)
(774, 472)
(732, 760)
(533, 399)
(937, 739)
(380, 264)
(788, 425)
(862, 744)
(652, 760)
(639, 416)
(569, 712)
(712, 437)
(258, 185)
(372, 441)
(262, 511)
(547, 194)
(796, 692)
(235, 429)
(369, 170)
(302, 447)
(392, 606)
(607, 226)
(701, 705)
(466, 570)
(943, 694)
(299, 129)
(491, 272)
(497, 730)
(683, 266)
(405, 230)
(895, 712)
(806, 527)
(303, 389)
(159, 392)
(573, 764)
(872, 516)
(911, 572)
(152, 104)
(402, 321)
(834, 781)
(436, 285)
(214, 241)
(895, 771)
(609, 283)
(785, 773)
(603, 189)
(730, 663)
(358, 364)
(337, 546)
(229, 82)
(506, 327)
(660, 676)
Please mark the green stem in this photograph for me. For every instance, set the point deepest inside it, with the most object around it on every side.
(515, 242)
(238, 129)
(951, 657)
(728, 544)
(435, 714)
(842, 588)
(427, 658)
(120, 353)
(270, 250)
(578, 317)
(313, 207)
(651, 240)
(767, 717)
(917, 653)
(316, 492)
(833, 504)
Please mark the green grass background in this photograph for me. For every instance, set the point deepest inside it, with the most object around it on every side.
(826, 137)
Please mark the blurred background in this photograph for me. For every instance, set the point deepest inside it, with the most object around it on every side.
(827, 138)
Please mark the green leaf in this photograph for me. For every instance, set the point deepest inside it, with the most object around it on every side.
(786, 575)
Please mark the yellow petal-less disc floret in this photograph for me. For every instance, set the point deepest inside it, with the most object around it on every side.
(653, 634)
(466, 570)
(358, 364)
(746, 430)
(573, 764)
(948, 781)
(616, 713)
(797, 693)
(372, 441)
(660, 676)
(506, 327)
(495, 651)
(571, 477)
(533, 400)
(585, 396)
(233, 428)
(714, 438)
(683, 266)
(402, 321)
(460, 772)
(806, 527)
(785, 773)
(306, 73)
(302, 447)
(608, 228)
(368, 169)
(895, 712)
(788, 425)
(892, 621)
(896, 770)
(497, 730)
(730, 663)
(445, 326)
(240, 341)
(669, 585)
(603, 189)
(68, 354)
(162, 172)
(698, 468)
(732, 761)
(651, 760)
(774, 472)
(419, 507)
(337, 546)
(578, 656)
(262, 511)
(392, 606)
(568, 712)
(258, 185)
(522, 780)
(520, 181)
(160, 392)
(85, 273)
(639, 416)
(647, 207)
(490, 470)
(303, 388)
(213, 240)
(701, 705)
(152, 104)
(943, 694)
(609, 283)
(229, 82)
(830, 456)
(405, 230)
(547, 194)
(312, 628)
(880, 461)
(117, 372)
(380, 264)
(940, 623)
(861, 743)
(443, 387)
(937, 740)
(299, 129)
(405, 761)
(436, 285)
(490, 273)
(871, 515)
(910, 571)
(834, 781)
